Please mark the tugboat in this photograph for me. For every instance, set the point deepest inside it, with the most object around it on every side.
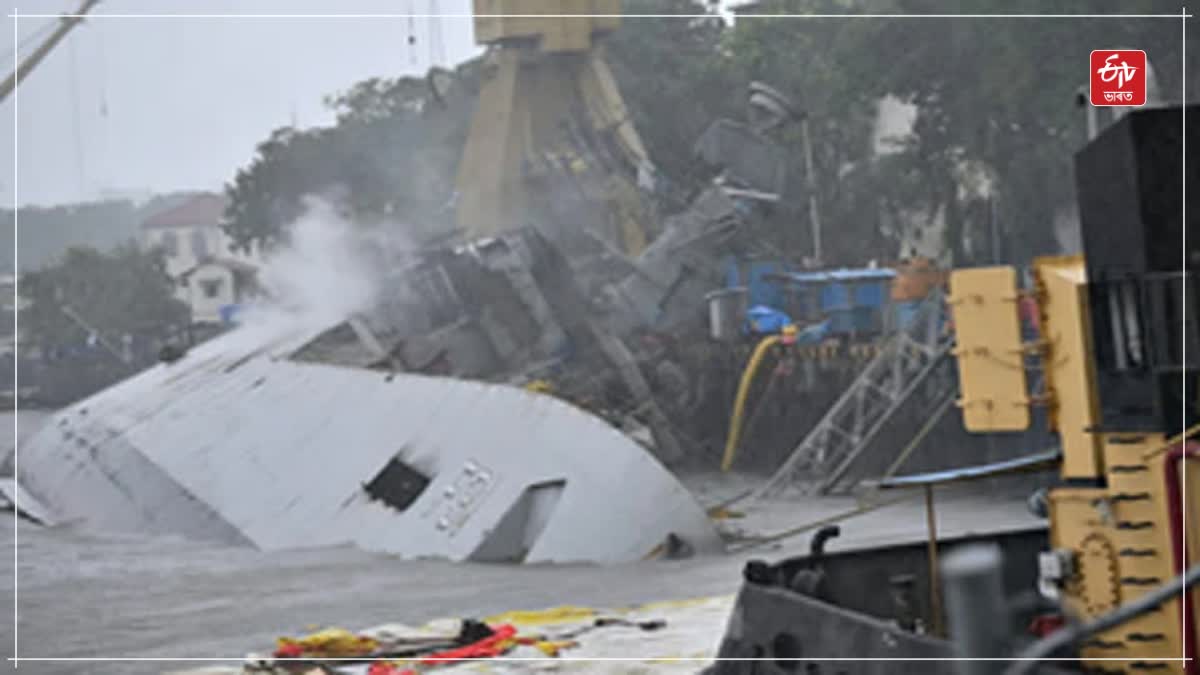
(1105, 582)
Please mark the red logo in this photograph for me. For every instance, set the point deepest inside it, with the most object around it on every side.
(1118, 77)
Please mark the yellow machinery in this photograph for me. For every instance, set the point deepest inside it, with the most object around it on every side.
(1112, 515)
(1117, 345)
(549, 107)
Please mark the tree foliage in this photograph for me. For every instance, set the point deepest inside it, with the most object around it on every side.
(994, 93)
(672, 78)
(123, 292)
(390, 157)
(47, 232)
(997, 91)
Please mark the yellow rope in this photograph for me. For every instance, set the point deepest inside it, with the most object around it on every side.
(1188, 433)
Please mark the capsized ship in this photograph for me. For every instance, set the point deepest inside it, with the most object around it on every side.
(286, 433)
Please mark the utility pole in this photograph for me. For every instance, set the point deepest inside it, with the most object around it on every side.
(810, 175)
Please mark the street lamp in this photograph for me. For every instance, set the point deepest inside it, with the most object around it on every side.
(770, 109)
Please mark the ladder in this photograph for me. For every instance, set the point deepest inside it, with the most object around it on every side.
(903, 364)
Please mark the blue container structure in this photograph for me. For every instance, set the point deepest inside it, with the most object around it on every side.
(847, 302)
(761, 279)
(853, 300)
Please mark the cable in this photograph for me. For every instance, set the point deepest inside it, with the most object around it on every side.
(103, 74)
(1070, 635)
(930, 423)
(1172, 442)
(35, 35)
(412, 35)
(808, 527)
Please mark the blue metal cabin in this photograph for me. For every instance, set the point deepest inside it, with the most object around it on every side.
(854, 301)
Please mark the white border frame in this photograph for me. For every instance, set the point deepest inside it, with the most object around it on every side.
(16, 16)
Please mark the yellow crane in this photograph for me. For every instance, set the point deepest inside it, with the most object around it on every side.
(548, 94)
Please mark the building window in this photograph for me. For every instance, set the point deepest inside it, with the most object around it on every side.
(199, 244)
(211, 287)
(170, 243)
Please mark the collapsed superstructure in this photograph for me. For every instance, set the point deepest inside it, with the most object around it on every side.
(285, 434)
(502, 387)
(489, 403)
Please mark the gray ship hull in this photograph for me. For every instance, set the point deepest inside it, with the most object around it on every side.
(236, 442)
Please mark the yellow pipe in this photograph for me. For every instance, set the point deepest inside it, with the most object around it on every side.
(786, 336)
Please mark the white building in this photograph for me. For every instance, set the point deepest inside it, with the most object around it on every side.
(212, 278)
(10, 305)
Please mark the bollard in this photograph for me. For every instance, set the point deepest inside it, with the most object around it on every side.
(976, 607)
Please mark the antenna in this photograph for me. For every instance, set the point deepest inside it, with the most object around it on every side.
(437, 48)
(103, 75)
(412, 35)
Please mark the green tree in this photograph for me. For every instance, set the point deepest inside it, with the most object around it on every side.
(673, 79)
(389, 158)
(393, 152)
(47, 232)
(806, 60)
(994, 92)
(123, 292)
(1000, 91)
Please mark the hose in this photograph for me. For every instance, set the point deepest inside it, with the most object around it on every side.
(930, 423)
(739, 402)
(1067, 636)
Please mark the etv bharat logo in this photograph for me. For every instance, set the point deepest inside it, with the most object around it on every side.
(1118, 77)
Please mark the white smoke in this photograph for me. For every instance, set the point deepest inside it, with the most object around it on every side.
(325, 272)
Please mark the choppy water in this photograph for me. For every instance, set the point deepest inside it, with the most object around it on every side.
(88, 595)
(94, 595)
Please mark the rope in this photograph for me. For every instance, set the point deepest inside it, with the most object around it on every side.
(845, 515)
(1188, 433)
(920, 436)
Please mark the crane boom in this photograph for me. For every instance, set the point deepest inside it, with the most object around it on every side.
(549, 108)
(24, 68)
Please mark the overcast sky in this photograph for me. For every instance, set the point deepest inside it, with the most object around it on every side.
(129, 105)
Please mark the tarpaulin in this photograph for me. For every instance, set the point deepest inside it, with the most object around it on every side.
(500, 641)
(331, 642)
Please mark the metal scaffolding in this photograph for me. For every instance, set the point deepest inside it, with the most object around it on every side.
(903, 364)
